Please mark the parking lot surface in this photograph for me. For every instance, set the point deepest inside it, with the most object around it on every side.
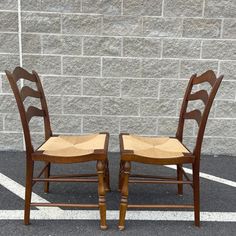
(218, 197)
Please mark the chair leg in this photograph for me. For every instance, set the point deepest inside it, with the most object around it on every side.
(121, 175)
(101, 194)
(124, 195)
(107, 177)
(28, 190)
(196, 195)
(180, 178)
(46, 175)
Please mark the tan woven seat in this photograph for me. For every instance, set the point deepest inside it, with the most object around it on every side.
(67, 146)
(152, 147)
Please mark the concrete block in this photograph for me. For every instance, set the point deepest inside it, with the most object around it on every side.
(111, 7)
(40, 22)
(57, 44)
(186, 8)
(138, 125)
(81, 105)
(96, 124)
(139, 87)
(102, 46)
(101, 87)
(122, 25)
(141, 47)
(163, 68)
(82, 24)
(219, 49)
(181, 48)
(121, 67)
(120, 106)
(42, 64)
(142, 7)
(201, 28)
(58, 85)
(159, 108)
(162, 27)
(81, 66)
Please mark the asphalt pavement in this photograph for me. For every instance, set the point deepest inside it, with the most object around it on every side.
(218, 196)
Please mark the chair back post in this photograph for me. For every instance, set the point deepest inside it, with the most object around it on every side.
(202, 126)
(12, 80)
(196, 114)
(46, 119)
(21, 95)
(180, 129)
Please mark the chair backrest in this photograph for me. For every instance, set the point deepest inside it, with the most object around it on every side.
(199, 116)
(21, 94)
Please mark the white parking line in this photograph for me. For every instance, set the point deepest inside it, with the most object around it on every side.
(48, 214)
(19, 190)
(210, 177)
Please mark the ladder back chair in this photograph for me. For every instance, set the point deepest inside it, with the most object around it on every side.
(169, 150)
(57, 149)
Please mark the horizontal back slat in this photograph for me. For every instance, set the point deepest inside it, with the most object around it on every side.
(20, 73)
(201, 95)
(29, 92)
(208, 76)
(195, 115)
(34, 111)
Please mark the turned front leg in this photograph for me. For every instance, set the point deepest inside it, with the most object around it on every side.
(107, 177)
(124, 194)
(101, 194)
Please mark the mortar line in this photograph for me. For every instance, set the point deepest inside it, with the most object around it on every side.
(120, 77)
(127, 98)
(201, 46)
(10, 11)
(100, 14)
(218, 67)
(222, 28)
(162, 8)
(122, 47)
(122, 7)
(82, 46)
(203, 7)
(19, 33)
(81, 6)
(81, 125)
(3, 121)
(20, 52)
(120, 87)
(119, 57)
(126, 36)
(157, 125)
(120, 117)
(101, 68)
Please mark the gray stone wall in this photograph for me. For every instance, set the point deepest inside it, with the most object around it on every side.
(119, 65)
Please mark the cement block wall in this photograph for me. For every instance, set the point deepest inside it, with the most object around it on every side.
(119, 65)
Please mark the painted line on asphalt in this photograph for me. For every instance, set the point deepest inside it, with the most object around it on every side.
(207, 176)
(19, 190)
(48, 214)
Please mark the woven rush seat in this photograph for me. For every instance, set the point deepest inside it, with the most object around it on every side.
(68, 146)
(153, 147)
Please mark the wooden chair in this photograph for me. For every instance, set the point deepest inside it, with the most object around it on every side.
(58, 149)
(169, 150)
